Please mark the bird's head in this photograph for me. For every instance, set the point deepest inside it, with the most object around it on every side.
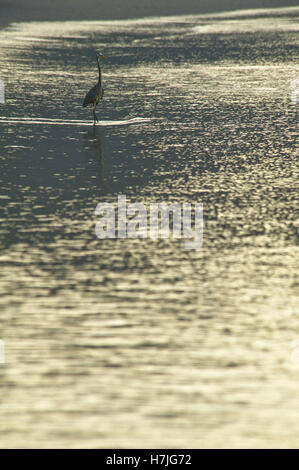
(100, 55)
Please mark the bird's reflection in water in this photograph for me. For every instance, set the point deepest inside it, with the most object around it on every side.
(93, 142)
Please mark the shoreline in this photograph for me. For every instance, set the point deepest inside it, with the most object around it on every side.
(17, 11)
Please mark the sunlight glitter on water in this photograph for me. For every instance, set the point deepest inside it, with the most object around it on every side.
(138, 343)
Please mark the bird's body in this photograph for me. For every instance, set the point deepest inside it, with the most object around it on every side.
(96, 93)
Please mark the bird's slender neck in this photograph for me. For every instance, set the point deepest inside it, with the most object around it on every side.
(100, 76)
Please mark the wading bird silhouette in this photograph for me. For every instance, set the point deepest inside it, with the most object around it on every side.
(96, 93)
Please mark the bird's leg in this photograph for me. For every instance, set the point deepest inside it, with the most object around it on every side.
(95, 118)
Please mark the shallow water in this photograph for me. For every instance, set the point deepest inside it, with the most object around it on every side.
(141, 343)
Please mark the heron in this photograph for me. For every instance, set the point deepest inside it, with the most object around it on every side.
(96, 93)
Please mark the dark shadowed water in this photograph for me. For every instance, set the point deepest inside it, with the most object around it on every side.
(142, 343)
